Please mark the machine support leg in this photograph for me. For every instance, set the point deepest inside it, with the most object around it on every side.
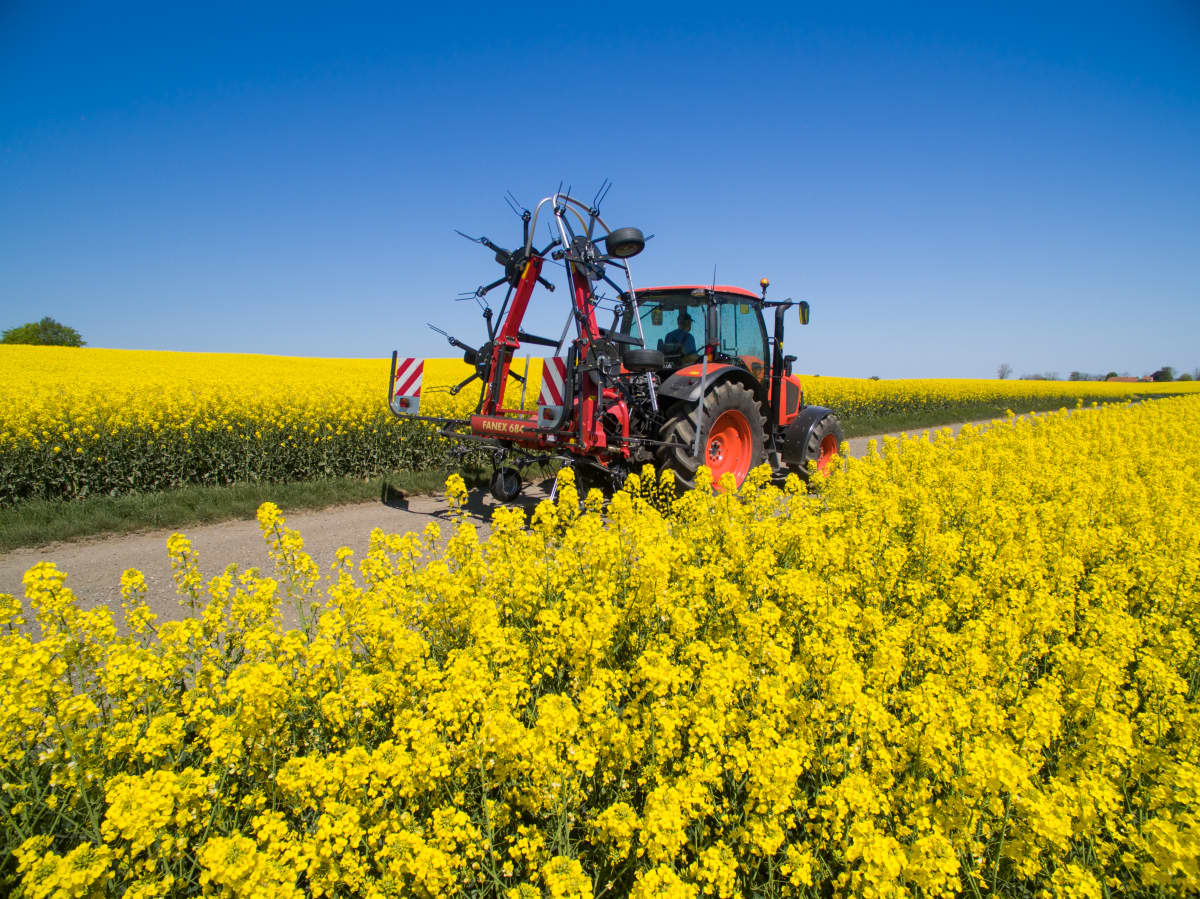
(700, 403)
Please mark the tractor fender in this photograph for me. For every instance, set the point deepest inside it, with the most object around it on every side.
(685, 384)
(795, 435)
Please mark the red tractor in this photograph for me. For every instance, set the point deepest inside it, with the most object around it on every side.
(683, 376)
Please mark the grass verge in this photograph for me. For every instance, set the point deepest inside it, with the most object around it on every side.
(38, 522)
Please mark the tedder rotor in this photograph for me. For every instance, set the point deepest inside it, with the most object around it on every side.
(681, 377)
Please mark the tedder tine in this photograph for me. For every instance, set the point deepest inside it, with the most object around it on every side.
(461, 384)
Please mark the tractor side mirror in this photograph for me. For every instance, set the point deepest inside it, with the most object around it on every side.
(804, 312)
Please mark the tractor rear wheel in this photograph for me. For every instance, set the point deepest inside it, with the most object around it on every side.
(731, 438)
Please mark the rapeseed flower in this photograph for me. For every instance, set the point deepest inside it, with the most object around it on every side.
(961, 667)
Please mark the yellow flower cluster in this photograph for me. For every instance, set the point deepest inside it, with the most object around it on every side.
(971, 399)
(963, 667)
(84, 421)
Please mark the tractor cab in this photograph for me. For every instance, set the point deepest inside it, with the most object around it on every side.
(680, 322)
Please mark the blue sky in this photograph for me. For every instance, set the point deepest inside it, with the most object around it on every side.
(950, 186)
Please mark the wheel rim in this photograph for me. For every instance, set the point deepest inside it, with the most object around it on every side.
(506, 485)
(829, 446)
(729, 446)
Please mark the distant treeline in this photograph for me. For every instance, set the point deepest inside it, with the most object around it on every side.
(1166, 373)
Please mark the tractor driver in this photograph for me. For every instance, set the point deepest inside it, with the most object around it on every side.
(682, 338)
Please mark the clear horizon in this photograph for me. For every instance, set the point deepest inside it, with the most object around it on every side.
(950, 187)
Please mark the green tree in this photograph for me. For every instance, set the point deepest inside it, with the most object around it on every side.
(1166, 373)
(47, 332)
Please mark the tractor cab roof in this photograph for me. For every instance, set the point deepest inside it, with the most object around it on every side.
(688, 288)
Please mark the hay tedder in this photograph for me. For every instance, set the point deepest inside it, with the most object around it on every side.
(682, 376)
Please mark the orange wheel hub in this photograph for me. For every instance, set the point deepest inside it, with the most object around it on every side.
(729, 446)
(829, 446)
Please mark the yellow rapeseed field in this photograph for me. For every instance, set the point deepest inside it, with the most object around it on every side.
(853, 398)
(80, 421)
(963, 667)
(84, 421)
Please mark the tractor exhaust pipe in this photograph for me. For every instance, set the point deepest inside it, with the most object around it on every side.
(777, 367)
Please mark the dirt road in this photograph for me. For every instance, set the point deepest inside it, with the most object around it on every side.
(94, 566)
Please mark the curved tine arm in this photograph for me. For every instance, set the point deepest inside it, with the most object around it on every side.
(581, 208)
(537, 210)
(554, 200)
(568, 207)
(562, 232)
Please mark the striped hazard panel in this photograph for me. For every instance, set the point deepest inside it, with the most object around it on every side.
(406, 386)
(550, 398)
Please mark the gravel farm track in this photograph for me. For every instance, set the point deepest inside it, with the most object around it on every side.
(94, 565)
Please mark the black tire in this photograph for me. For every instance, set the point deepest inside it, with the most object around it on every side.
(506, 484)
(607, 480)
(826, 432)
(627, 242)
(588, 476)
(640, 360)
(679, 432)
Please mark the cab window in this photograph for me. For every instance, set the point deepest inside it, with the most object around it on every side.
(661, 324)
(742, 336)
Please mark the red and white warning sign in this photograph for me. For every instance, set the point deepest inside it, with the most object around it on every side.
(406, 386)
(550, 397)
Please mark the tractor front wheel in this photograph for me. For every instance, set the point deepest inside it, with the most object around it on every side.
(731, 438)
(825, 439)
